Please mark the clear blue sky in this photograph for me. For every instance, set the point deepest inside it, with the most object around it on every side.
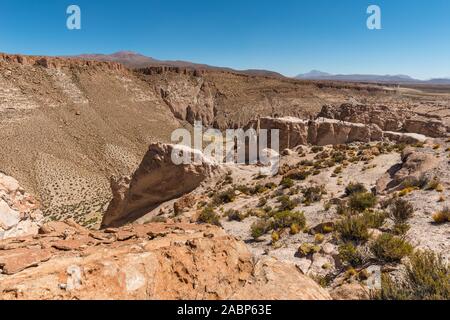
(288, 36)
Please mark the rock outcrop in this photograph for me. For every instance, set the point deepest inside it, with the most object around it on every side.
(156, 180)
(151, 261)
(19, 213)
(294, 132)
(415, 164)
(387, 118)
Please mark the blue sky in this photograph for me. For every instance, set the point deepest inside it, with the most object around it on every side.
(288, 36)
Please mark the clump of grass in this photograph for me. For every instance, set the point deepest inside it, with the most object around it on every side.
(349, 254)
(319, 238)
(286, 203)
(285, 219)
(353, 228)
(295, 228)
(401, 210)
(312, 194)
(433, 184)
(259, 228)
(316, 149)
(306, 249)
(442, 216)
(287, 183)
(389, 248)
(275, 236)
(427, 278)
(208, 215)
(226, 196)
(235, 215)
(262, 202)
(374, 219)
(362, 201)
(353, 188)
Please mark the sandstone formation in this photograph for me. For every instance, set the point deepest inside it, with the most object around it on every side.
(294, 132)
(152, 261)
(19, 213)
(387, 118)
(156, 180)
(415, 164)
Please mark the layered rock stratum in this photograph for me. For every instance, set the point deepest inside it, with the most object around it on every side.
(152, 261)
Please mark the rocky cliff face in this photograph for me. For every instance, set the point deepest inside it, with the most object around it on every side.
(294, 132)
(152, 261)
(19, 213)
(387, 118)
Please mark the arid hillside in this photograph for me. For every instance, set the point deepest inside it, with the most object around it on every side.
(67, 126)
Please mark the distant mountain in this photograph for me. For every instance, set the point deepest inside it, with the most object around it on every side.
(135, 60)
(399, 78)
(439, 81)
(319, 75)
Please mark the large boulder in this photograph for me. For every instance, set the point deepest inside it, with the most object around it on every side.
(428, 127)
(158, 179)
(415, 164)
(19, 213)
(150, 261)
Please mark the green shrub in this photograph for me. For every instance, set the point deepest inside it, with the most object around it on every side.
(286, 203)
(235, 215)
(259, 228)
(353, 228)
(316, 149)
(306, 249)
(262, 202)
(401, 210)
(374, 219)
(287, 183)
(442, 216)
(225, 197)
(353, 188)
(313, 194)
(284, 219)
(298, 174)
(389, 248)
(362, 201)
(427, 278)
(208, 215)
(401, 229)
(342, 209)
(349, 254)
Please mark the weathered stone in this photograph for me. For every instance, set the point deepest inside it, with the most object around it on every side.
(156, 180)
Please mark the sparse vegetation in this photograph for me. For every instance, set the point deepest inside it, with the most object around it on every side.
(442, 216)
(353, 188)
(348, 253)
(287, 183)
(235, 215)
(362, 201)
(389, 248)
(208, 215)
(401, 210)
(259, 228)
(353, 228)
(427, 278)
(285, 219)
